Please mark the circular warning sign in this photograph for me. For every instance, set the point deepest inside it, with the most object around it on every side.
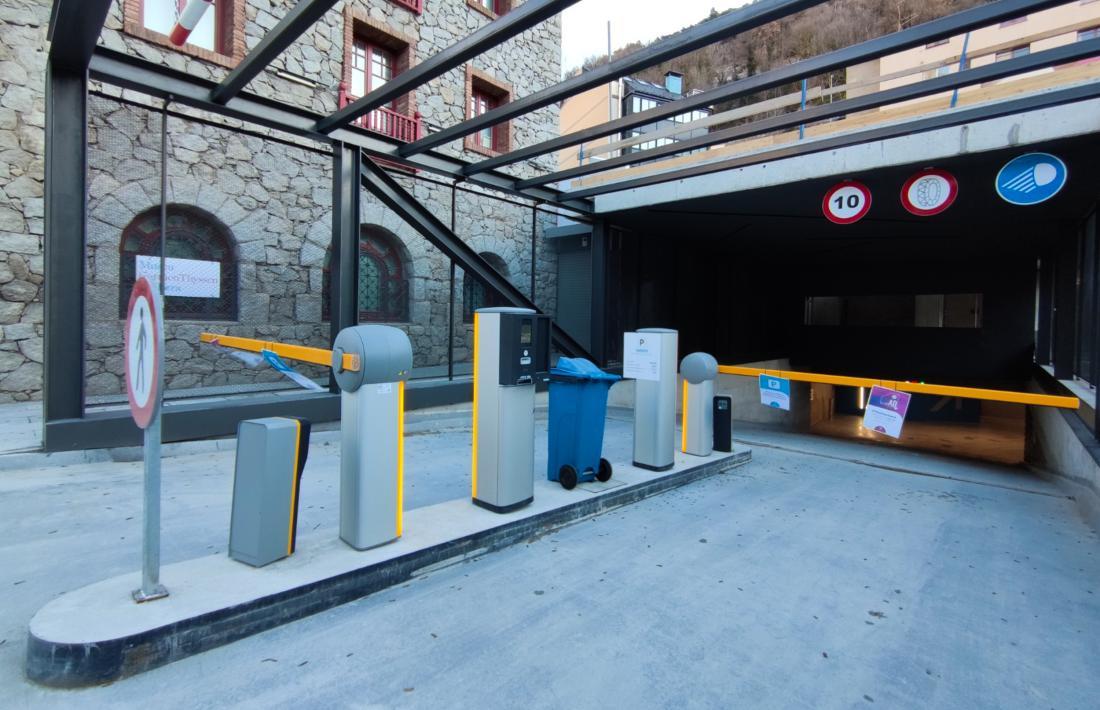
(846, 202)
(929, 192)
(1031, 179)
(142, 343)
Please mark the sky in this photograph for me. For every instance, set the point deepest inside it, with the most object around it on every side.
(584, 25)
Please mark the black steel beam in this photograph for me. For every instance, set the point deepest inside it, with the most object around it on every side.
(944, 120)
(65, 235)
(932, 31)
(739, 20)
(988, 72)
(128, 72)
(508, 26)
(601, 234)
(1045, 305)
(420, 218)
(74, 30)
(344, 248)
(299, 19)
(1065, 304)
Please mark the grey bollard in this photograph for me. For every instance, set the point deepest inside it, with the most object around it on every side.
(372, 413)
(699, 371)
(271, 455)
(655, 406)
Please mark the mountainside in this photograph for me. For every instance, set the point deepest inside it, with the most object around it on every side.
(821, 29)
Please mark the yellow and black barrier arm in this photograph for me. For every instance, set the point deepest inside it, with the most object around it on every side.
(317, 356)
(1039, 400)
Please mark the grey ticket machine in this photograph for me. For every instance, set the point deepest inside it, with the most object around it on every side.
(372, 414)
(655, 401)
(511, 351)
(699, 371)
(271, 455)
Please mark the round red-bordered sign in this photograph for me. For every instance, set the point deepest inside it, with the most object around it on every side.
(846, 202)
(929, 192)
(142, 343)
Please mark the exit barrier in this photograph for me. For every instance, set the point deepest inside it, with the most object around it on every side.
(1038, 400)
(316, 356)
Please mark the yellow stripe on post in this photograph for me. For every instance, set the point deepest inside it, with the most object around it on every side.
(473, 462)
(684, 421)
(1029, 398)
(294, 487)
(400, 457)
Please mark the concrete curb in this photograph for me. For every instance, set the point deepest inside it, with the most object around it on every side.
(75, 665)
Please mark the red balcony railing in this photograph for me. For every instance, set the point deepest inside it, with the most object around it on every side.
(387, 121)
(416, 6)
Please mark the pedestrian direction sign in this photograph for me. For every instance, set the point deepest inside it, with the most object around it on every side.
(1031, 179)
(142, 345)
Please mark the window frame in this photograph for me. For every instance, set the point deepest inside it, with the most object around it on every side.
(228, 32)
(496, 93)
(500, 7)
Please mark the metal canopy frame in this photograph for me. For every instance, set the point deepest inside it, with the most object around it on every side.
(75, 57)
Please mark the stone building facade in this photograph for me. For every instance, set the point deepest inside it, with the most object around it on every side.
(259, 203)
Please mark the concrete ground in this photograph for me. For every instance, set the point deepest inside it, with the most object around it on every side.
(825, 573)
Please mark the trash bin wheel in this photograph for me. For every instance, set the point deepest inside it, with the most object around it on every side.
(604, 472)
(567, 477)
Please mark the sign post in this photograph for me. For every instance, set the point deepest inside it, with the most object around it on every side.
(144, 343)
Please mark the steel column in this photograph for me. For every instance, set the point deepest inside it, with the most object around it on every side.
(344, 254)
(65, 234)
(839, 59)
(740, 20)
(1065, 305)
(420, 218)
(598, 322)
(1046, 309)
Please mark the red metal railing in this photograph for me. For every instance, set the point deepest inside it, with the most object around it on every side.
(387, 121)
(416, 6)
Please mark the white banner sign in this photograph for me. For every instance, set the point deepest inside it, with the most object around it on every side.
(641, 356)
(183, 277)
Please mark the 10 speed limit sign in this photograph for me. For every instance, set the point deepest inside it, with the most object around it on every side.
(846, 202)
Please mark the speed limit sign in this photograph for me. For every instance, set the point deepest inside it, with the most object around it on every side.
(846, 202)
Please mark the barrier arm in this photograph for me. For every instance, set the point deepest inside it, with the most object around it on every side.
(1038, 400)
(316, 356)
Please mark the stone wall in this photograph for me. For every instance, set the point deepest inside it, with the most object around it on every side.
(274, 199)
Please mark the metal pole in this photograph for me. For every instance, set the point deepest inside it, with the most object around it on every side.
(962, 67)
(451, 302)
(802, 107)
(151, 588)
(534, 225)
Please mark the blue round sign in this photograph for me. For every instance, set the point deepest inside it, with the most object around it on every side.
(1031, 179)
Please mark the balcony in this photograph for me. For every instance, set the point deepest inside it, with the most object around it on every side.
(416, 6)
(387, 121)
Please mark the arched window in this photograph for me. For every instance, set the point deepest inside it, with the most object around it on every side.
(194, 235)
(383, 286)
(476, 295)
(383, 278)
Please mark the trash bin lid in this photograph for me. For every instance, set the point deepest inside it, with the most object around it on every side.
(578, 368)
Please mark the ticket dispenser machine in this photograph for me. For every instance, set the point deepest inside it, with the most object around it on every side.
(655, 403)
(511, 352)
(271, 455)
(372, 431)
(699, 370)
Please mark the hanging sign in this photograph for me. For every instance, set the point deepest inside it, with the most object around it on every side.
(929, 192)
(142, 345)
(775, 392)
(885, 412)
(1031, 179)
(847, 202)
(641, 357)
(190, 278)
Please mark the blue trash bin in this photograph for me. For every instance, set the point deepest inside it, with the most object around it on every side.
(578, 407)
